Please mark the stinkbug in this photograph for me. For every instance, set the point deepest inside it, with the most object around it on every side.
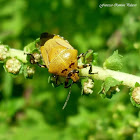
(61, 59)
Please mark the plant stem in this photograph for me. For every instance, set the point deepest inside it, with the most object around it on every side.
(127, 79)
(17, 54)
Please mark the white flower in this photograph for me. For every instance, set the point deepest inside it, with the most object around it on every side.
(136, 95)
(3, 52)
(13, 65)
(88, 87)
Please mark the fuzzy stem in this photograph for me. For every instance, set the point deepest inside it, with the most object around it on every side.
(127, 79)
(17, 54)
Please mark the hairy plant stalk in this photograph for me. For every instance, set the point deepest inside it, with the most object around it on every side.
(18, 54)
(127, 79)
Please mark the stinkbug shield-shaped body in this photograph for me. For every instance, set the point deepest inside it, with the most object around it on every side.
(59, 56)
(61, 59)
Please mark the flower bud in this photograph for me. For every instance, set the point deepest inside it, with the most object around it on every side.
(136, 95)
(29, 72)
(3, 52)
(13, 65)
(37, 57)
(88, 85)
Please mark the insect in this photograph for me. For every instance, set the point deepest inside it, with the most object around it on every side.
(61, 59)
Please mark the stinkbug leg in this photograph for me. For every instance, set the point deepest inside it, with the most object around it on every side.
(32, 60)
(87, 65)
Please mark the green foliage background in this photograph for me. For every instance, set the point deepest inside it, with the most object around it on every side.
(31, 109)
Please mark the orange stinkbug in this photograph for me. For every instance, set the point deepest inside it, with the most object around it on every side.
(60, 58)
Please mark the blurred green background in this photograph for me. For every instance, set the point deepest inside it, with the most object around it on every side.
(32, 109)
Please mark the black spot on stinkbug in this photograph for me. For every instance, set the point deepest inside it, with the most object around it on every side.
(71, 65)
(63, 70)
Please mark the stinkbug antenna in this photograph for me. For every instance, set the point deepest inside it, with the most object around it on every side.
(67, 99)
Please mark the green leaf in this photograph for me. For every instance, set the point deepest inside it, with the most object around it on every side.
(114, 62)
(137, 84)
(30, 48)
(95, 58)
(89, 56)
(109, 87)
